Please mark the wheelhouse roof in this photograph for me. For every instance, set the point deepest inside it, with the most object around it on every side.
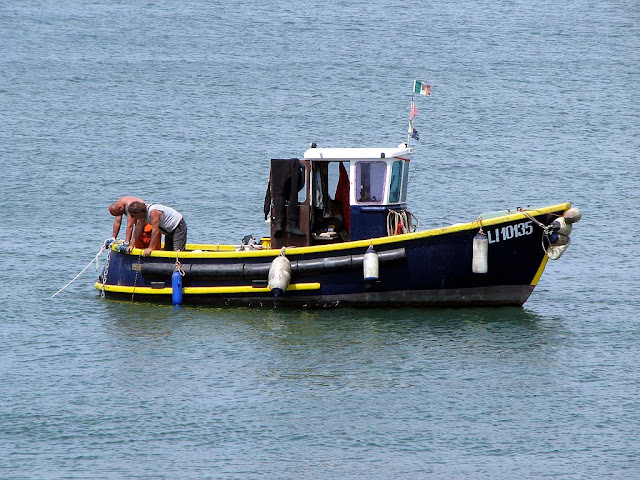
(348, 154)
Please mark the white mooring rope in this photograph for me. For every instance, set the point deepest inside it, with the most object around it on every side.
(83, 270)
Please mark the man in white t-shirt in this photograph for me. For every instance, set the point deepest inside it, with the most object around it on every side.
(164, 220)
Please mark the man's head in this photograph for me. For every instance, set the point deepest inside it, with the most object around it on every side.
(116, 208)
(137, 210)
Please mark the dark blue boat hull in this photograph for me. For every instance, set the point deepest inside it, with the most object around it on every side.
(424, 269)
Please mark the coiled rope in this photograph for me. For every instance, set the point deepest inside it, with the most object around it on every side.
(400, 221)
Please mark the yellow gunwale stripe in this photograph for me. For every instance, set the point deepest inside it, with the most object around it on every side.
(294, 287)
(536, 277)
(228, 251)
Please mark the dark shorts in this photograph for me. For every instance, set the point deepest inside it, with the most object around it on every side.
(176, 240)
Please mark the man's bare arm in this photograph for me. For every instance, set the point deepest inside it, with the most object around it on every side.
(116, 226)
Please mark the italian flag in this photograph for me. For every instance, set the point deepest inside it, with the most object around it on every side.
(421, 88)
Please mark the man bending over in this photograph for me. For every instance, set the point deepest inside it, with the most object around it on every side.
(163, 220)
(120, 208)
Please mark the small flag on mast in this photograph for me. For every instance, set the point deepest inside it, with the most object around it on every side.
(414, 111)
(421, 88)
(413, 132)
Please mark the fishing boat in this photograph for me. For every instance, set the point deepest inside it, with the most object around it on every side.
(341, 234)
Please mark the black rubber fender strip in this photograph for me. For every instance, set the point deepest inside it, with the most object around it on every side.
(258, 271)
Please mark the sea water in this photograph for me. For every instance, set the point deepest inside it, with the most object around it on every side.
(184, 103)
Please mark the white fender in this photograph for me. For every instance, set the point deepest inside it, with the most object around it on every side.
(370, 264)
(279, 274)
(562, 226)
(480, 259)
(555, 252)
(572, 215)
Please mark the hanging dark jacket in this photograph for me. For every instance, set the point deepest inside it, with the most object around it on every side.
(287, 178)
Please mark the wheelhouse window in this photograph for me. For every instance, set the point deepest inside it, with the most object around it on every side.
(405, 182)
(396, 181)
(370, 180)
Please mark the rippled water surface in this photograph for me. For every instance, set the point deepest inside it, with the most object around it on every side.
(184, 103)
